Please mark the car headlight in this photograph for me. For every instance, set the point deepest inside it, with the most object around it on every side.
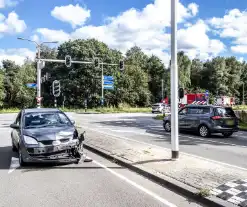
(30, 140)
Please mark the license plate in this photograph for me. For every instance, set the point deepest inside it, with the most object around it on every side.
(230, 122)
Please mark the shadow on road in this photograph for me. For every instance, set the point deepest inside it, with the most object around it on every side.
(155, 127)
(6, 154)
(149, 161)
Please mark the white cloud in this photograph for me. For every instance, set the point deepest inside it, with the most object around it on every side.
(8, 3)
(17, 55)
(12, 24)
(35, 38)
(52, 35)
(233, 25)
(194, 8)
(242, 49)
(75, 15)
(196, 43)
(146, 28)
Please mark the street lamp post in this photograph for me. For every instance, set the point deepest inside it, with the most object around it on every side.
(174, 82)
(39, 62)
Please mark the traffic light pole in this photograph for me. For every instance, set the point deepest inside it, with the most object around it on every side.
(174, 82)
(55, 101)
(102, 85)
(38, 77)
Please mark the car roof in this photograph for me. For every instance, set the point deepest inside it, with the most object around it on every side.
(35, 110)
(206, 106)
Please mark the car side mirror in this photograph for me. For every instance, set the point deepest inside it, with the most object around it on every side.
(73, 122)
(14, 126)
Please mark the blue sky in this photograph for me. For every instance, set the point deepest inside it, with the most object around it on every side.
(143, 22)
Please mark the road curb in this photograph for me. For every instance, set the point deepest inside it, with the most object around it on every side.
(172, 184)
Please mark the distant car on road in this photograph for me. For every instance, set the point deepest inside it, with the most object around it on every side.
(205, 120)
(158, 107)
(44, 135)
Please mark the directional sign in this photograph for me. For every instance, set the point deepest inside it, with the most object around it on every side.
(31, 85)
(108, 83)
(206, 93)
(108, 78)
(111, 87)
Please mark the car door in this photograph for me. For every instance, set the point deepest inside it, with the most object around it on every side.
(194, 114)
(182, 115)
(17, 132)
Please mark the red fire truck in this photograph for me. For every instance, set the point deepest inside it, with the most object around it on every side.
(193, 98)
(190, 98)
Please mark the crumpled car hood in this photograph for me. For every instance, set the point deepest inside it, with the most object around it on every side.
(50, 133)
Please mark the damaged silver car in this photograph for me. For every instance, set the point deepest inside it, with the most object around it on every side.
(46, 135)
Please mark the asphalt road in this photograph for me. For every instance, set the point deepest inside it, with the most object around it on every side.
(99, 183)
(144, 128)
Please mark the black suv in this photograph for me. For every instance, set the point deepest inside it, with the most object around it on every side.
(205, 120)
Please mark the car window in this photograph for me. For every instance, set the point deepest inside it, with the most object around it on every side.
(45, 119)
(183, 111)
(224, 112)
(199, 110)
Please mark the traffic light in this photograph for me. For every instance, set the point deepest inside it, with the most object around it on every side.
(56, 90)
(121, 65)
(96, 62)
(181, 92)
(67, 60)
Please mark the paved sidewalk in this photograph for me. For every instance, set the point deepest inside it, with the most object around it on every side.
(196, 173)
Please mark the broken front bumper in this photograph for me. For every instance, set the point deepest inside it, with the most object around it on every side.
(56, 153)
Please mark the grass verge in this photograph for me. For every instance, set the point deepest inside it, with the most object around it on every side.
(110, 110)
(160, 117)
(11, 110)
(243, 125)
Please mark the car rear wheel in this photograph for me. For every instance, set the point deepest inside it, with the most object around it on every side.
(227, 134)
(21, 162)
(167, 126)
(204, 131)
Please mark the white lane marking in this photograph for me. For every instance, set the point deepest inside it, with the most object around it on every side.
(153, 195)
(153, 145)
(13, 165)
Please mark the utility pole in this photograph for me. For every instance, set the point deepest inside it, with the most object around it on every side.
(162, 88)
(243, 103)
(38, 77)
(102, 85)
(121, 66)
(174, 82)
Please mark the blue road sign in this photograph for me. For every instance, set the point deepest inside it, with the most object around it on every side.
(108, 87)
(206, 92)
(108, 78)
(108, 82)
(31, 85)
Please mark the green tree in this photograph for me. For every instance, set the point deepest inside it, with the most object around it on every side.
(156, 73)
(184, 67)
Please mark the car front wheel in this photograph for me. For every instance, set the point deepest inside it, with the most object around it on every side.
(204, 131)
(167, 126)
(21, 162)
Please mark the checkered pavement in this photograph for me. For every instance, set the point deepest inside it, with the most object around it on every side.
(234, 192)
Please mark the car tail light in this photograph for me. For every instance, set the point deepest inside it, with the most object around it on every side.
(216, 117)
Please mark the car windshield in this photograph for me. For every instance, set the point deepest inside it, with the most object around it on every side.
(45, 119)
(225, 112)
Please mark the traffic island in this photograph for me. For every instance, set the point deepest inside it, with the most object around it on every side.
(191, 176)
